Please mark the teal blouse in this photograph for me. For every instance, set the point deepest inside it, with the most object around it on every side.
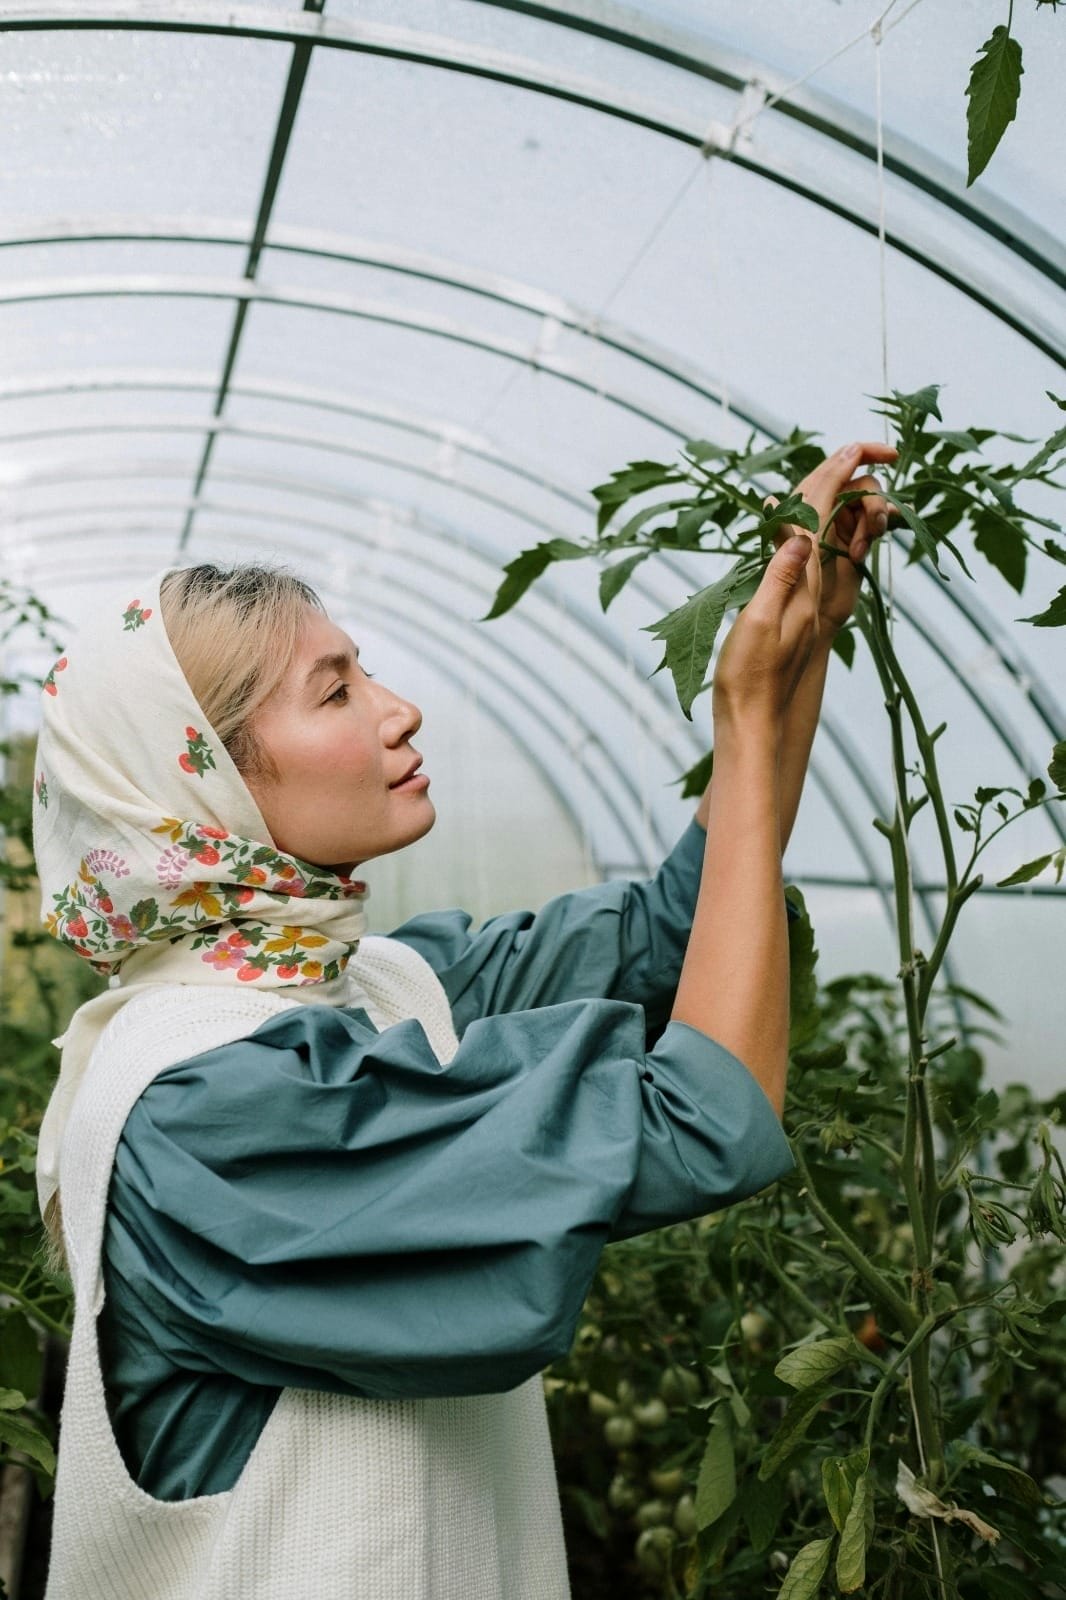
(322, 1206)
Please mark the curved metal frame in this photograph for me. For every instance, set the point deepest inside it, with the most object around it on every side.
(307, 31)
(487, 286)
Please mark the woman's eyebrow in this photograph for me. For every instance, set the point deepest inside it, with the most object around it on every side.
(332, 661)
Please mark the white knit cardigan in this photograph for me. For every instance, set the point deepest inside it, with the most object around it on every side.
(341, 1498)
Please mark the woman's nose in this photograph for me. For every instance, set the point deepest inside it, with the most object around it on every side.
(405, 714)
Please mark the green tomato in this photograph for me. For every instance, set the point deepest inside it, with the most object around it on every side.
(626, 1392)
(652, 1414)
(619, 1431)
(752, 1326)
(670, 1482)
(623, 1494)
(685, 1516)
(679, 1386)
(653, 1549)
(601, 1405)
(653, 1514)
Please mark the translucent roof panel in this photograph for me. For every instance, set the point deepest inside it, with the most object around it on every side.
(382, 290)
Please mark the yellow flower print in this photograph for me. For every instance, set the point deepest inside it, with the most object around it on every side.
(172, 828)
(291, 939)
(199, 894)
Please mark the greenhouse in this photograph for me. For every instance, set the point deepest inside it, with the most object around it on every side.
(510, 345)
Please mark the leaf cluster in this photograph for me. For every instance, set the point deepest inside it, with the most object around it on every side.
(944, 485)
(791, 1442)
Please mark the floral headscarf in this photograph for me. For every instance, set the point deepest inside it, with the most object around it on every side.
(155, 863)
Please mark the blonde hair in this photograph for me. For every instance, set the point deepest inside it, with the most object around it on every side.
(234, 632)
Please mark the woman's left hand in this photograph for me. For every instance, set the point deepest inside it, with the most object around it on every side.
(852, 531)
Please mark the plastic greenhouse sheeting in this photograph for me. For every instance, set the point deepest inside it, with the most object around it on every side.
(382, 290)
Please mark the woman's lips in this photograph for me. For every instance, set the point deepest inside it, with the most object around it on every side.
(417, 780)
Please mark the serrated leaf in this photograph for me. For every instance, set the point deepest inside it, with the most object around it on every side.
(716, 1488)
(761, 1505)
(773, 455)
(993, 90)
(922, 402)
(1006, 1477)
(628, 531)
(840, 1474)
(1003, 545)
(705, 450)
(793, 510)
(851, 1552)
(804, 1014)
(696, 779)
(1057, 766)
(962, 439)
(689, 633)
(526, 568)
(922, 536)
(20, 1434)
(799, 1414)
(1031, 869)
(614, 579)
(1056, 443)
(957, 553)
(632, 479)
(813, 1363)
(1053, 617)
(809, 1567)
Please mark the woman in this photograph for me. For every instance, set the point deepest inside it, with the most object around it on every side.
(332, 1202)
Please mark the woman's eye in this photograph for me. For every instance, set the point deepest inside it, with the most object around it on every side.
(342, 690)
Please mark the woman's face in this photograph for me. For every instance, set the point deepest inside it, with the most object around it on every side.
(340, 742)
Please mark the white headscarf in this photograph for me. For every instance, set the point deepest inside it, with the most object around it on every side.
(155, 863)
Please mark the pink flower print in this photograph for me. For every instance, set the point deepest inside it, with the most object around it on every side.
(133, 617)
(297, 887)
(49, 684)
(123, 929)
(228, 954)
(171, 867)
(107, 861)
(199, 755)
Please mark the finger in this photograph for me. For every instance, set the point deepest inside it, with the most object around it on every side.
(784, 571)
(869, 519)
(832, 475)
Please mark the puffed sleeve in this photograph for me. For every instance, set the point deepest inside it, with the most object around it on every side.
(624, 939)
(323, 1206)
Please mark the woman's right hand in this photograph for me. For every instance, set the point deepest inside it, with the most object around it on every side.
(767, 649)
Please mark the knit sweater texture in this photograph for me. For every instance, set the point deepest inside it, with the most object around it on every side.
(342, 1498)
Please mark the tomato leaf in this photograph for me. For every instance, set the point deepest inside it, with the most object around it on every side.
(993, 90)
